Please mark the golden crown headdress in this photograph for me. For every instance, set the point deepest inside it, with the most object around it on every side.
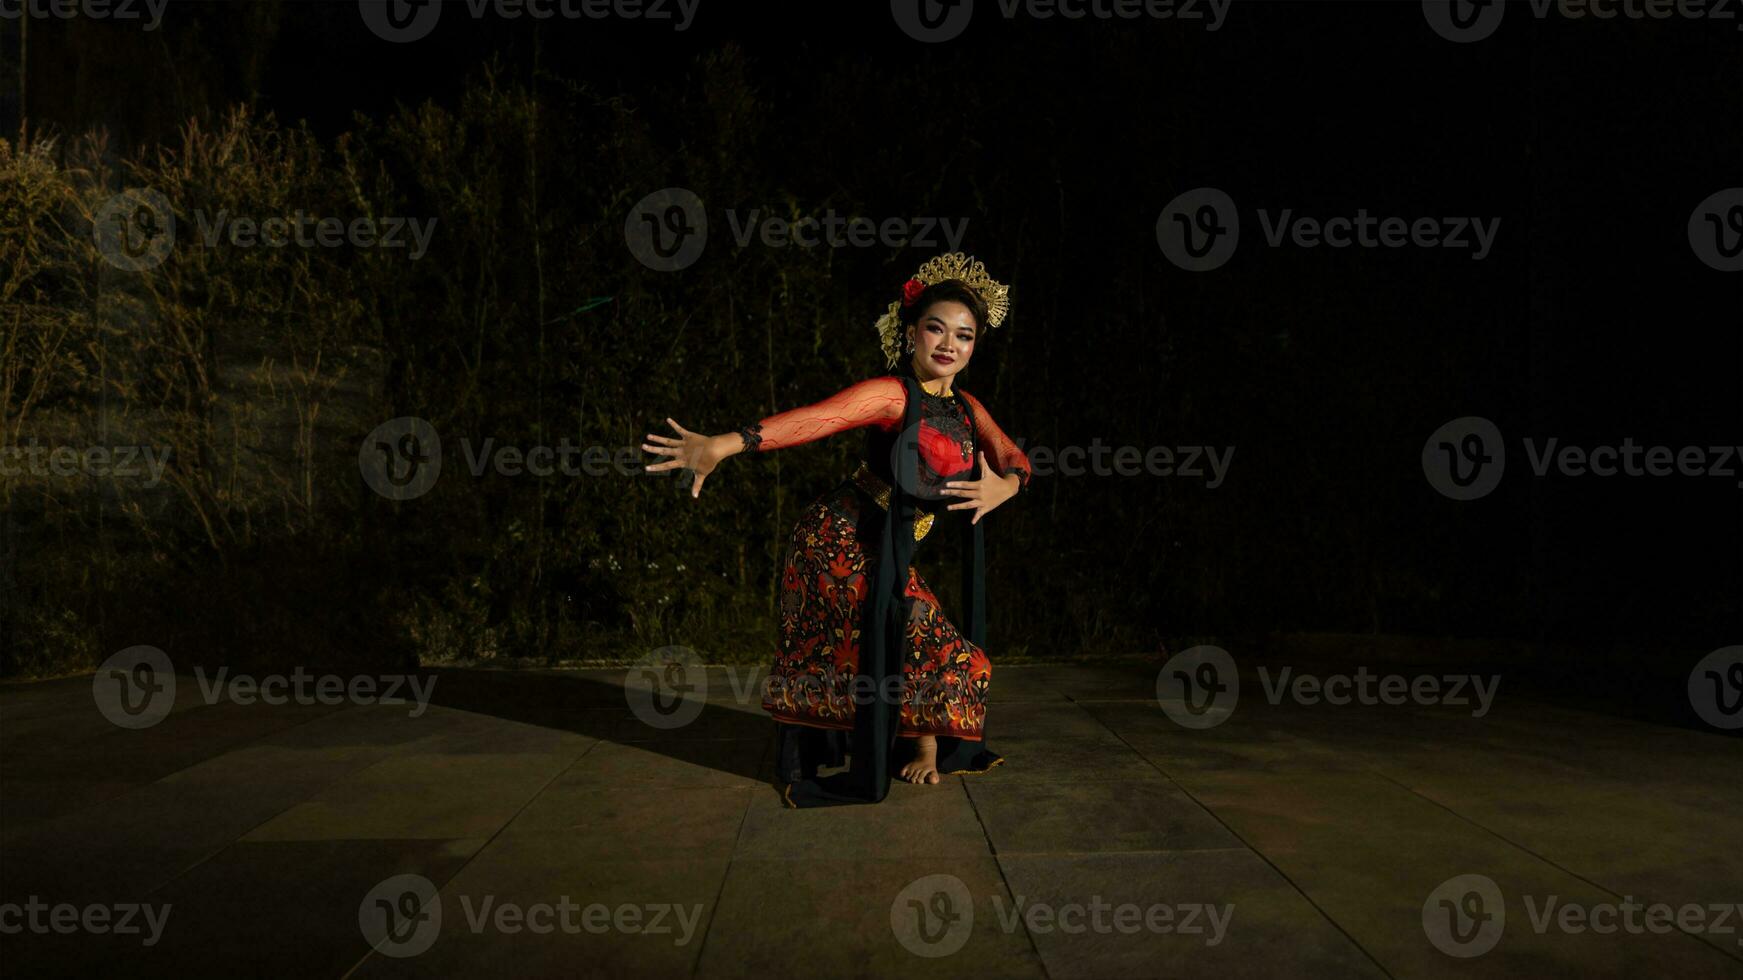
(951, 265)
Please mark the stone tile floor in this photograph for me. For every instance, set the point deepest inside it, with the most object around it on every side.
(561, 834)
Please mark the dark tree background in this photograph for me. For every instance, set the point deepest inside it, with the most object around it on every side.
(1059, 142)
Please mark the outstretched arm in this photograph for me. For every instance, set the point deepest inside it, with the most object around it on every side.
(875, 401)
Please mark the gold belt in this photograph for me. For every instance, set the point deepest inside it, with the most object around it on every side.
(879, 491)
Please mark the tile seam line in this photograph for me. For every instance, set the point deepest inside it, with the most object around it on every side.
(1010, 893)
(487, 842)
(1255, 851)
(259, 739)
(1697, 937)
(172, 879)
(110, 800)
(726, 873)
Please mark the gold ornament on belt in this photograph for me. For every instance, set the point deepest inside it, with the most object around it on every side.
(879, 491)
(951, 265)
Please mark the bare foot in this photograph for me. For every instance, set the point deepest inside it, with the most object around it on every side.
(924, 768)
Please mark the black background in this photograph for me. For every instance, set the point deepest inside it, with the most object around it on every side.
(1592, 320)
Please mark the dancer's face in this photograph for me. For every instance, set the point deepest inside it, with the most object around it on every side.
(943, 340)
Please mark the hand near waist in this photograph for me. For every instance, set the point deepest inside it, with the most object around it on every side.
(983, 494)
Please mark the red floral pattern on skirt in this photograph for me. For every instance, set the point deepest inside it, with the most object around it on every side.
(825, 582)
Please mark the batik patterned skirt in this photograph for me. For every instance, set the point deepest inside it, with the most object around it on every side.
(826, 580)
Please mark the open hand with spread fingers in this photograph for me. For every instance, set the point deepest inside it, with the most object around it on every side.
(983, 494)
(691, 451)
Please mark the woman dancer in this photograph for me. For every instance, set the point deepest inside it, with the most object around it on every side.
(864, 664)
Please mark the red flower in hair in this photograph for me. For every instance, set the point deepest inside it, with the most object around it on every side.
(911, 291)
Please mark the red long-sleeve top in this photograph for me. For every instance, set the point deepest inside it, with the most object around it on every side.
(946, 443)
